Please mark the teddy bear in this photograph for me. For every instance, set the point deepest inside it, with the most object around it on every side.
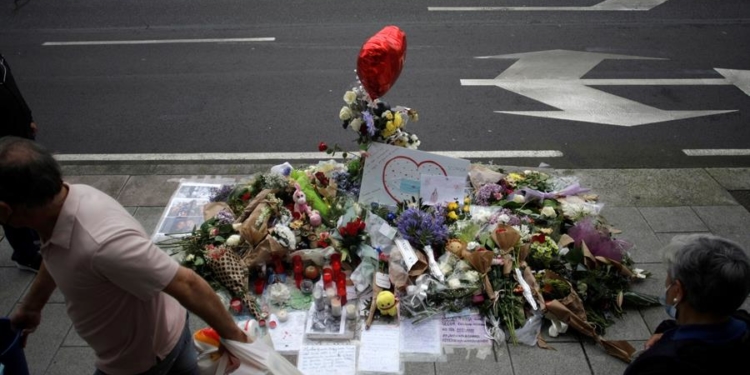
(387, 303)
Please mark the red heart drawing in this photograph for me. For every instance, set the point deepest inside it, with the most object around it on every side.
(402, 168)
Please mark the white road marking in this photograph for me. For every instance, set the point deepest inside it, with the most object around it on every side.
(158, 41)
(717, 152)
(264, 156)
(606, 5)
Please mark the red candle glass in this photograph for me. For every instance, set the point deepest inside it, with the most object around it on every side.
(327, 276)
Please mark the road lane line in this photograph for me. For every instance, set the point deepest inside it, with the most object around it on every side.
(717, 152)
(261, 156)
(157, 41)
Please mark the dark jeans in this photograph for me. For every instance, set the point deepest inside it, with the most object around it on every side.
(25, 243)
(182, 360)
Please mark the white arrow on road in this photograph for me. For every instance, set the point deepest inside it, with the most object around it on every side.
(606, 5)
(554, 78)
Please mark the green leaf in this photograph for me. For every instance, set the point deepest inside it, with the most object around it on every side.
(220, 239)
(198, 261)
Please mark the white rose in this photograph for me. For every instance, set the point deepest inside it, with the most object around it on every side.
(349, 97)
(472, 277)
(233, 240)
(345, 113)
(189, 257)
(472, 245)
(518, 198)
(549, 212)
(355, 124)
(504, 218)
(446, 268)
(454, 283)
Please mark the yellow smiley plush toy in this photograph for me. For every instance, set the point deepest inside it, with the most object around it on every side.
(386, 302)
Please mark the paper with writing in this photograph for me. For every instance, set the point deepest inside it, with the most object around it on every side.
(465, 331)
(287, 336)
(379, 349)
(327, 359)
(439, 189)
(422, 338)
(407, 252)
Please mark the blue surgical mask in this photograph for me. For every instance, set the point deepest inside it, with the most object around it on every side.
(670, 309)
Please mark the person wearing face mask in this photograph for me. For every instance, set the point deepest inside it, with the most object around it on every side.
(708, 279)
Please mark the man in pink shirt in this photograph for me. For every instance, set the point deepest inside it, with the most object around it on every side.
(124, 295)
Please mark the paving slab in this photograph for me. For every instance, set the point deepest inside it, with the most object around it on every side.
(245, 170)
(149, 218)
(5, 253)
(732, 222)
(472, 361)
(600, 362)
(419, 368)
(156, 190)
(106, 169)
(111, 185)
(731, 178)
(72, 360)
(673, 219)
(73, 339)
(635, 229)
(565, 358)
(666, 238)
(45, 341)
(628, 327)
(13, 282)
(653, 187)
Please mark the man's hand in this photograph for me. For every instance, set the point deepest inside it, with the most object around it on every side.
(34, 129)
(25, 320)
(652, 340)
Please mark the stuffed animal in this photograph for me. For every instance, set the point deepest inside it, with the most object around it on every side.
(387, 303)
(301, 207)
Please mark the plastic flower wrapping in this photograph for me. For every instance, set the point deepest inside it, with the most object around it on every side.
(518, 246)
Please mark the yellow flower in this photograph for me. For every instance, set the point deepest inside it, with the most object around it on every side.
(452, 206)
(388, 115)
(452, 215)
(397, 120)
(466, 208)
(467, 200)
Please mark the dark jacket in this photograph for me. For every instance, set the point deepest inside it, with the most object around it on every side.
(694, 349)
(15, 115)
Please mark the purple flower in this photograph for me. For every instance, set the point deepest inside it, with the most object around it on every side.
(599, 241)
(225, 217)
(344, 183)
(370, 122)
(221, 194)
(487, 194)
(422, 228)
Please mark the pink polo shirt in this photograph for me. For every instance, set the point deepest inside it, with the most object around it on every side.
(112, 275)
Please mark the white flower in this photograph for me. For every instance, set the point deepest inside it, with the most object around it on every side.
(279, 293)
(472, 276)
(454, 283)
(639, 273)
(504, 218)
(349, 97)
(472, 245)
(233, 240)
(345, 113)
(356, 124)
(518, 198)
(446, 268)
(236, 226)
(564, 251)
(549, 212)
(285, 236)
(190, 257)
(462, 266)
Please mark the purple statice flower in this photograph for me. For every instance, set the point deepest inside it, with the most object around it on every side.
(422, 228)
(344, 184)
(599, 241)
(221, 194)
(488, 194)
(370, 122)
(225, 217)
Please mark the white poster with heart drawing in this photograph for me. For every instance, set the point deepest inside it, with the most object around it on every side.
(393, 174)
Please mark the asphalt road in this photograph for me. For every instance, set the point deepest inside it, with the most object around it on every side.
(284, 95)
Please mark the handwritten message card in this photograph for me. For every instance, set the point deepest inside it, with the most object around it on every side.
(465, 331)
(421, 338)
(379, 349)
(442, 189)
(327, 359)
(392, 174)
(287, 337)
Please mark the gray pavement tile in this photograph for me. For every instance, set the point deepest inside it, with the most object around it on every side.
(629, 327)
(570, 335)
(473, 361)
(666, 238)
(106, 169)
(156, 190)
(563, 358)
(72, 360)
(213, 169)
(673, 219)
(635, 229)
(149, 217)
(5, 253)
(111, 185)
(45, 341)
(419, 368)
(653, 187)
(14, 282)
(731, 178)
(73, 339)
(654, 284)
(729, 222)
(652, 316)
(602, 363)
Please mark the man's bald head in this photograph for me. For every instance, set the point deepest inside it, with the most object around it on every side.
(29, 174)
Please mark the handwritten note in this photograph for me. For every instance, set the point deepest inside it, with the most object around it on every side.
(442, 189)
(287, 336)
(407, 252)
(379, 349)
(421, 338)
(465, 331)
(327, 359)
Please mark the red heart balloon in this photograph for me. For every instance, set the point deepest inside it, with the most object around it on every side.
(380, 61)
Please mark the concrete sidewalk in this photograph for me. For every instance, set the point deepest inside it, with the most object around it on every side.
(649, 206)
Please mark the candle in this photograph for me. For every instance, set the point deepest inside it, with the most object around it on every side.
(327, 276)
(331, 292)
(318, 297)
(282, 315)
(336, 306)
(351, 311)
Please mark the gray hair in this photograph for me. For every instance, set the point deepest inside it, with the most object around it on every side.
(714, 271)
(29, 174)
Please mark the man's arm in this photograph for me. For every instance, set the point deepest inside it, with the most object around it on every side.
(197, 296)
(29, 314)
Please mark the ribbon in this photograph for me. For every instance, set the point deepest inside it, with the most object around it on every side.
(417, 293)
